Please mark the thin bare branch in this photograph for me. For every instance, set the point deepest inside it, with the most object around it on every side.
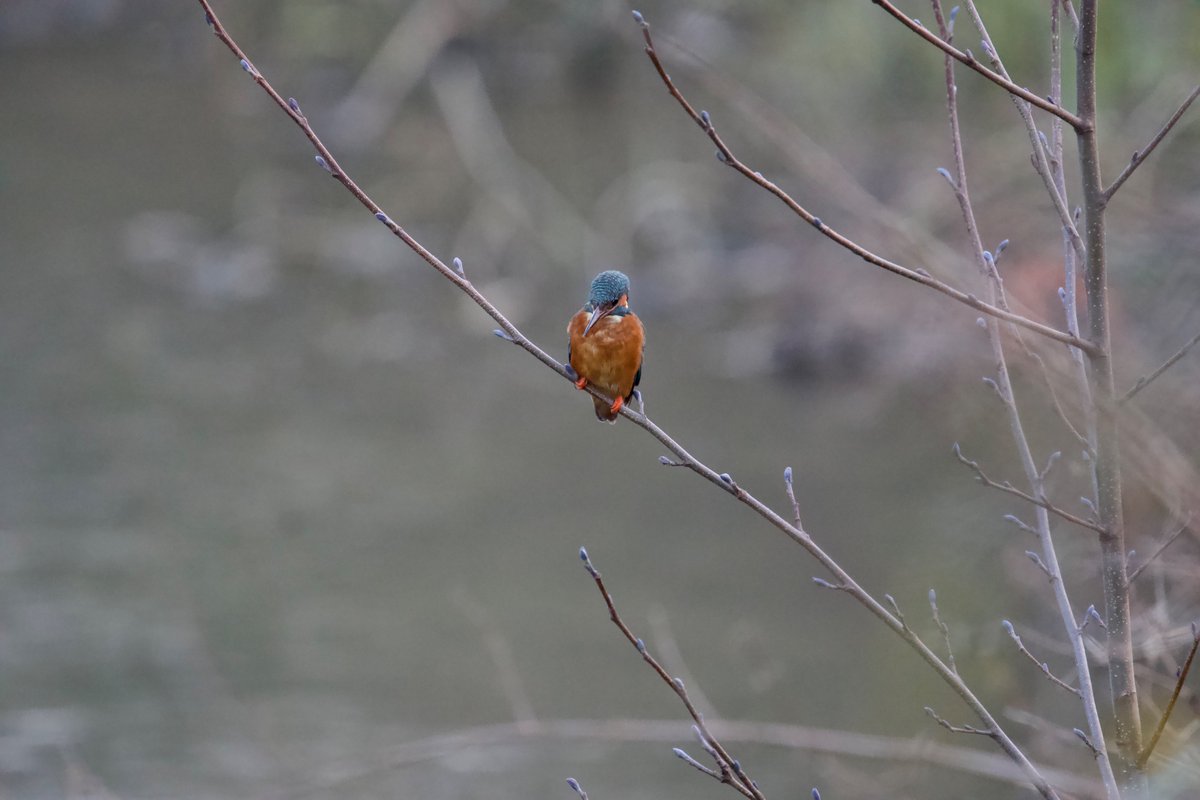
(575, 787)
(687, 759)
(791, 493)
(1041, 665)
(1144, 756)
(1083, 737)
(944, 628)
(969, 59)
(1008, 488)
(956, 728)
(1145, 380)
(1141, 155)
(1055, 401)
(1159, 550)
(1073, 14)
(921, 276)
(730, 769)
(1044, 163)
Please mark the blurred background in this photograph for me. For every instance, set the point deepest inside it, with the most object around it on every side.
(279, 517)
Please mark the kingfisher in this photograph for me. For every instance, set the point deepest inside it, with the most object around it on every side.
(606, 344)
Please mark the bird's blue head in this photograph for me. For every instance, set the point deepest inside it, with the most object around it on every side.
(609, 288)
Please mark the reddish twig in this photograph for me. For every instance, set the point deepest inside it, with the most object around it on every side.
(921, 276)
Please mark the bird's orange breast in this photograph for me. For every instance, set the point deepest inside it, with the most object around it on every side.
(611, 354)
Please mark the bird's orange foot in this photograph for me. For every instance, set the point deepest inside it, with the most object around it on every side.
(616, 406)
(582, 382)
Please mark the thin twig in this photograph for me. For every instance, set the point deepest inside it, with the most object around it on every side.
(1043, 164)
(944, 628)
(1008, 488)
(731, 771)
(1057, 404)
(921, 276)
(956, 728)
(969, 59)
(1041, 665)
(1158, 551)
(1073, 14)
(1141, 155)
(1144, 756)
(682, 457)
(1145, 380)
(575, 787)
(791, 493)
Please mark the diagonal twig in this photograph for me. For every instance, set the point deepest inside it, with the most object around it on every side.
(1041, 665)
(1008, 488)
(1148, 750)
(730, 769)
(1145, 380)
(969, 59)
(1043, 163)
(921, 276)
(1141, 155)
(1158, 551)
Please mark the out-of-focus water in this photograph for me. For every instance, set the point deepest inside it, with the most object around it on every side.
(274, 504)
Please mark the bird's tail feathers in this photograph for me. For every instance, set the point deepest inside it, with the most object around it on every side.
(603, 413)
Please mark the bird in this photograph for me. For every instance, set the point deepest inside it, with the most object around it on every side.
(606, 344)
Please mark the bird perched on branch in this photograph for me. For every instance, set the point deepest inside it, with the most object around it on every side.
(606, 344)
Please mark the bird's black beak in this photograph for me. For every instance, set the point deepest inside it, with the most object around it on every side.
(598, 313)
